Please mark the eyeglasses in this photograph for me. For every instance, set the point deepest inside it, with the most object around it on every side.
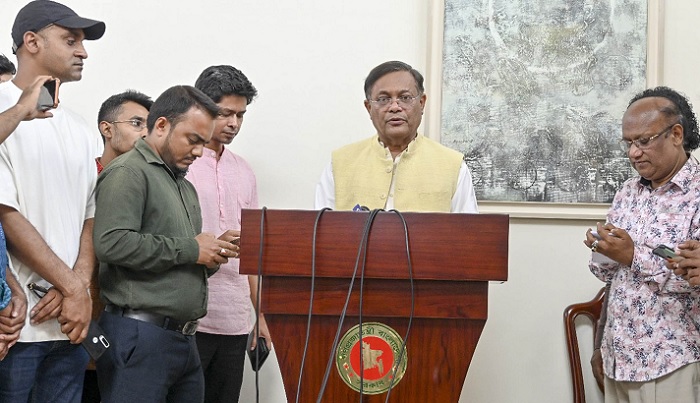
(404, 101)
(38, 290)
(642, 143)
(135, 123)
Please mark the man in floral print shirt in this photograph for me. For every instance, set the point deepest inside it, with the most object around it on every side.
(651, 343)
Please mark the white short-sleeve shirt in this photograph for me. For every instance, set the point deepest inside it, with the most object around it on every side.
(48, 173)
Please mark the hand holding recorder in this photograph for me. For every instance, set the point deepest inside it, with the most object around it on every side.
(613, 242)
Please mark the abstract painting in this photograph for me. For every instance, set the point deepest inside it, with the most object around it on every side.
(534, 91)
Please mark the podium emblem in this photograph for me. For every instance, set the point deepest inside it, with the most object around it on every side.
(379, 364)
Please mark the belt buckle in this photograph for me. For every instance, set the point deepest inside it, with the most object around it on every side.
(190, 328)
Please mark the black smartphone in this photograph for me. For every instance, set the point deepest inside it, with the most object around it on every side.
(258, 355)
(48, 96)
(96, 342)
(665, 252)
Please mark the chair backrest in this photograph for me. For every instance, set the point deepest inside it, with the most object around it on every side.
(591, 309)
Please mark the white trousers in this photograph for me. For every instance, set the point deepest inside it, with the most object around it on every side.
(680, 386)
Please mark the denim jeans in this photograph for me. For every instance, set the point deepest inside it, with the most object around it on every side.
(43, 372)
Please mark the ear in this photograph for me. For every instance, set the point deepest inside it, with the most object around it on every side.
(31, 42)
(161, 128)
(106, 130)
(368, 106)
(677, 134)
(423, 98)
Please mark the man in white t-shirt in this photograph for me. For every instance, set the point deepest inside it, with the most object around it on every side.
(47, 182)
(12, 297)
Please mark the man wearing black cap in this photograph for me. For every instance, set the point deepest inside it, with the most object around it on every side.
(47, 182)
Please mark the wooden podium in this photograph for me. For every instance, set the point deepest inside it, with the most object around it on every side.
(453, 257)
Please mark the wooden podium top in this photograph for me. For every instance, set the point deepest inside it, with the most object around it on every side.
(453, 247)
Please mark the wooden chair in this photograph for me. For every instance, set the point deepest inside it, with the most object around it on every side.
(591, 309)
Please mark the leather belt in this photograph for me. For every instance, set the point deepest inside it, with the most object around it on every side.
(187, 328)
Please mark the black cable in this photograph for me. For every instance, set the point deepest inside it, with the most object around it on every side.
(361, 253)
(258, 299)
(413, 303)
(311, 298)
(365, 234)
(365, 241)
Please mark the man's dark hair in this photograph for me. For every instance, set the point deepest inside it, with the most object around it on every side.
(112, 106)
(220, 81)
(681, 110)
(177, 101)
(390, 67)
(6, 66)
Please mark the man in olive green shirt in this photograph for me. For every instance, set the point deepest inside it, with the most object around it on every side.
(154, 260)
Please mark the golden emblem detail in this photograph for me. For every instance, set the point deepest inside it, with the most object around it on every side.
(380, 354)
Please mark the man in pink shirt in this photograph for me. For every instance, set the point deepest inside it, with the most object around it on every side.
(225, 184)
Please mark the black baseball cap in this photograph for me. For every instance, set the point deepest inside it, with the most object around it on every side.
(41, 13)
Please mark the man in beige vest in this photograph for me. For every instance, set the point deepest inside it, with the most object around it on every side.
(397, 167)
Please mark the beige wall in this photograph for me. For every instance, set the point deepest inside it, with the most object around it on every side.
(308, 59)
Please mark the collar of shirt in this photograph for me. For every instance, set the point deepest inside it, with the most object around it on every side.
(681, 179)
(151, 157)
(209, 153)
(408, 148)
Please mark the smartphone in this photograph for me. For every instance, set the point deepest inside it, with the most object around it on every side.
(259, 354)
(665, 252)
(48, 95)
(96, 342)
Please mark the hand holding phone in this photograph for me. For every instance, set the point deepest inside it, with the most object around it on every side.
(259, 354)
(596, 235)
(48, 95)
(664, 251)
(28, 103)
